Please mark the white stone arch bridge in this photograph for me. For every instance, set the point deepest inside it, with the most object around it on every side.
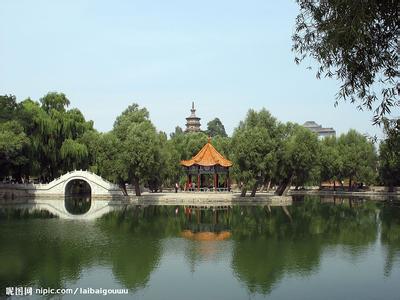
(105, 196)
(99, 187)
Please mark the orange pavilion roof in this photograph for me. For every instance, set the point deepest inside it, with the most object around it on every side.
(208, 156)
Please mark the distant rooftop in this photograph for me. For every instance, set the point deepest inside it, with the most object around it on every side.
(321, 131)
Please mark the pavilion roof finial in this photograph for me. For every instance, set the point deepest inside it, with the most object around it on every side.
(192, 104)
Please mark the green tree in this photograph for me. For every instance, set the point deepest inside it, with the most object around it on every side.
(358, 157)
(216, 128)
(297, 157)
(224, 145)
(139, 146)
(109, 161)
(187, 145)
(12, 142)
(254, 147)
(357, 43)
(182, 146)
(330, 160)
(8, 108)
(92, 140)
(178, 131)
(171, 171)
(54, 133)
(389, 157)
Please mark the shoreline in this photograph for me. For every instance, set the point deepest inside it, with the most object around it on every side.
(15, 195)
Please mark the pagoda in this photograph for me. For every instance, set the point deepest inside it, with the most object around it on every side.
(193, 122)
(207, 162)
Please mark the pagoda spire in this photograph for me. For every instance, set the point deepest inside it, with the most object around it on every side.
(193, 122)
(193, 110)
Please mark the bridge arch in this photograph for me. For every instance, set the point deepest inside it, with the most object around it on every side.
(98, 185)
(77, 186)
(78, 195)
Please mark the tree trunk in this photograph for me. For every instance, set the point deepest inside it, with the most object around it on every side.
(265, 184)
(254, 189)
(334, 185)
(284, 186)
(287, 188)
(123, 187)
(243, 192)
(268, 185)
(350, 187)
(279, 189)
(137, 186)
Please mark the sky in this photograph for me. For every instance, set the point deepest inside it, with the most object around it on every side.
(227, 56)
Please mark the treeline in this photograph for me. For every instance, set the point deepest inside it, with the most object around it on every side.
(44, 139)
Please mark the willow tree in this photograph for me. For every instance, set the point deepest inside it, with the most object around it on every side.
(54, 133)
(356, 43)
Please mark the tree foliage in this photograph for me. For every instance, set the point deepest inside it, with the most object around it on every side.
(135, 148)
(357, 43)
(12, 143)
(389, 156)
(45, 139)
(47, 134)
(254, 147)
(359, 157)
(216, 128)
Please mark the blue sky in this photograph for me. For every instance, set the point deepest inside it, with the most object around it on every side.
(227, 56)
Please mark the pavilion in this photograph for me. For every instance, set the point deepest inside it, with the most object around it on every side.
(207, 162)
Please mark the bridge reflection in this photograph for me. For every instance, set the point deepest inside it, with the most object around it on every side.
(259, 244)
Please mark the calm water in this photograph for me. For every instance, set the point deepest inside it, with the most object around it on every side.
(311, 250)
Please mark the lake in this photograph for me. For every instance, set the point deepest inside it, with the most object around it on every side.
(314, 249)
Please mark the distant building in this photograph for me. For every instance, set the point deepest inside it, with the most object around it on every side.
(193, 122)
(318, 129)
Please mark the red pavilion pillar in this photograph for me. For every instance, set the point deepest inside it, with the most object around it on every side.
(198, 180)
(189, 181)
(228, 183)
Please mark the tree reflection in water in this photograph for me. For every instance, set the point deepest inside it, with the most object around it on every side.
(263, 243)
(270, 243)
(137, 234)
(390, 235)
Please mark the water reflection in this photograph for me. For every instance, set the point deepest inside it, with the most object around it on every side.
(390, 235)
(272, 243)
(78, 205)
(206, 224)
(78, 197)
(263, 243)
